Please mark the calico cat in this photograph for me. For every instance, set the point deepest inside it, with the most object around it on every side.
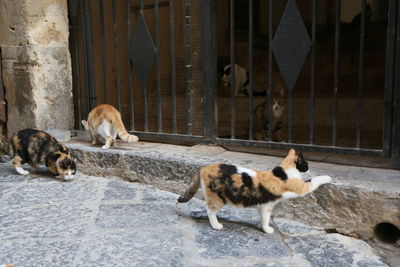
(104, 123)
(228, 184)
(261, 118)
(35, 147)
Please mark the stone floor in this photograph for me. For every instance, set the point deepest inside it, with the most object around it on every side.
(97, 221)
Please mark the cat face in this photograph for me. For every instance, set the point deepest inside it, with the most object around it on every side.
(294, 160)
(66, 166)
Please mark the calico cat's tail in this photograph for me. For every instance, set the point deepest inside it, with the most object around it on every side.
(194, 186)
(122, 133)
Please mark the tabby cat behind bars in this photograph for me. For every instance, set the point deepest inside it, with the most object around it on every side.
(34, 147)
(229, 184)
(104, 123)
(261, 118)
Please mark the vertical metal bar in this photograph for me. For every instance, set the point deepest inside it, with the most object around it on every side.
(90, 77)
(389, 72)
(104, 52)
(360, 75)
(85, 56)
(77, 70)
(250, 93)
(336, 72)
(188, 65)
(158, 78)
(173, 61)
(232, 76)
(396, 101)
(269, 95)
(312, 78)
(130, 86)
(144, 89)
(116, 53)
(209, 54)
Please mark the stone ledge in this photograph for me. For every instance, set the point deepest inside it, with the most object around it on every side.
(357, 200)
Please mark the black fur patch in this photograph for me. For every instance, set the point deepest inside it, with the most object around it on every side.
(246, 194)
(247, 180)
(279, 172)
(301, 163)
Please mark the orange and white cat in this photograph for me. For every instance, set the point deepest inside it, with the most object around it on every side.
(104, 124)
(229, 184)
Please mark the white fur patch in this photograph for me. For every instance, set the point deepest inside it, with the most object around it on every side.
(293, 173)
(289, 195)
(21, 171)
(245, 170)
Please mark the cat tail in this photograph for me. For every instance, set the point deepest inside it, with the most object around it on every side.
(193, 188)
(122, 133)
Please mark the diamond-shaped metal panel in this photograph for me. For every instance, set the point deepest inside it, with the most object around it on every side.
(291, 44)
(143, 51)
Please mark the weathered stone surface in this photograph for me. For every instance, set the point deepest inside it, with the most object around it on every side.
(354, 202)
(293, 228)
(334, 250)
(237, 241)
(136, 248)
(25, 252)
(36, 64)
(85, 222)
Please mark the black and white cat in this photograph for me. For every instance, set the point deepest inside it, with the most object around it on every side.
(241, 79)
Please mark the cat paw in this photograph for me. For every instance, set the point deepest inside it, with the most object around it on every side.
(268, 229)
(324, 179)
(217, 226)
(105, 147)
(22, 171)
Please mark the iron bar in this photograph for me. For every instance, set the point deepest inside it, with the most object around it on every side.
(104, 50)
(395, 161)
(116, 53)
(90, 77)
(360, 75)
(209, 54)
(250, 92)
(158, 78)
(77, 69)
(269, 94)
(130, 85)
(173, 61)
(301, 147)
(312, 78)
(188, 65)
(232, 72)
(389, 76)
(336, 72)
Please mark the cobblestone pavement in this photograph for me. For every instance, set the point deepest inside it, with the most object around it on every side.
(93, 221)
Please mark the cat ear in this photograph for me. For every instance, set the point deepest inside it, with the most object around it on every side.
(282, 91)
(292, 152)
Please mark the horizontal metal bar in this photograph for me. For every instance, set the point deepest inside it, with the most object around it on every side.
(149, 6)
(305, 147)
(166, 136)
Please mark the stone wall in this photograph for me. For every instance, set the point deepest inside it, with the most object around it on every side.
(36, 64)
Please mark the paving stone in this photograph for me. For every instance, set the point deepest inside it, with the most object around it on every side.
(334, 250)
(153, 194)
(119, 190)
(38, 252)
(141, 248)
(44, 221)
(32, 194)
(238, 241)
(136, 215)
(293, 228)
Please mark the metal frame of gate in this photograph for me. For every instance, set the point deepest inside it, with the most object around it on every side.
(391, 128)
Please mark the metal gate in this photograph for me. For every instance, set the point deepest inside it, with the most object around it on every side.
(158, 62)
